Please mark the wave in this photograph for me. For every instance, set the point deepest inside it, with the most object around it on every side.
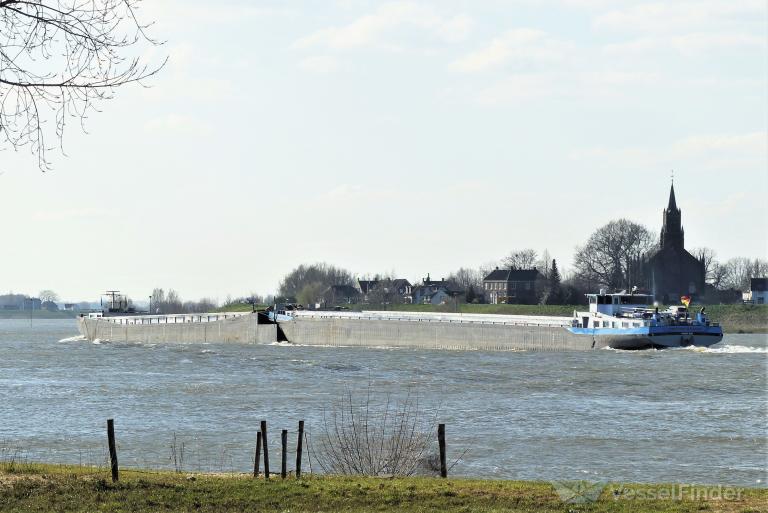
(735, 349)
(726, 349)
(78, 338)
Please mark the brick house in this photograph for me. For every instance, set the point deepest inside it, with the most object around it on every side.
(512, 286)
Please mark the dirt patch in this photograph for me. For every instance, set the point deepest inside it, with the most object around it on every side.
(8, 480)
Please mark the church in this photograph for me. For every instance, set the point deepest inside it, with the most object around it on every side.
(670, 271)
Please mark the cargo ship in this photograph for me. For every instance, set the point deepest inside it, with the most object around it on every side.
(621, 320)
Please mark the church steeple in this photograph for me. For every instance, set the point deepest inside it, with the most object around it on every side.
(672, 231)
(672, 203)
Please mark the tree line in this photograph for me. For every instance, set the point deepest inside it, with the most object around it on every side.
(608, 259)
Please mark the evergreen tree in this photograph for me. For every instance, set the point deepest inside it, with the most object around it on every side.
(555, 291)
(471, 296)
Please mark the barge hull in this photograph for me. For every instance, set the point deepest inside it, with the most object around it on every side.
(466, 333)
(242, 329)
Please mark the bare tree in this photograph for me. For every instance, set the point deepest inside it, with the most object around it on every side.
(311, 293)
(322, 273)
(544, 263)
(48, 295)
(521, 259)
(361, 437)
(59, 59)
(708, 257)
(464, 278)
(610, 253)
(739, 271)
(201, 305)
(718, 274)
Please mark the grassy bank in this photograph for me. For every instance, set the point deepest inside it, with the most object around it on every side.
(45, 488)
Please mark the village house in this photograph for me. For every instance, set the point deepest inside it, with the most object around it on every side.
(436, 292)
(398, 290)
(508, 286)
(341, 294)
(758, 292)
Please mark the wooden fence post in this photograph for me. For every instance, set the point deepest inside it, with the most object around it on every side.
(441, 442)
(284, 442)
(299, 448)
(112, 449)
(266, 449)
(258, 455)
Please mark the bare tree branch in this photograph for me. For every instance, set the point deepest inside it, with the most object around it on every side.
(59, 59)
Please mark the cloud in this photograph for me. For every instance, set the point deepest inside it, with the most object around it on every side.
(320, 64)
(194, 74)
(179, 14)
(677, 17)
(520, 46)
(689, 44)
(383, 28)
(754, 144)
(686, 27)
(711, 152)
(564, 84)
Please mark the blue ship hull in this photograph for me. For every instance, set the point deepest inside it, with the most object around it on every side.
(648, 337)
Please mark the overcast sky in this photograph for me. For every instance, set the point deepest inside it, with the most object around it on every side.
(411, 137)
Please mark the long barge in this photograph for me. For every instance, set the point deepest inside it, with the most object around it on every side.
(620, 321)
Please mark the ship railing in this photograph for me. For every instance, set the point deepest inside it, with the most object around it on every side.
(457, 318)
(173, 318)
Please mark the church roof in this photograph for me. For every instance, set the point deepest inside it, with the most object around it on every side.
(672, 203)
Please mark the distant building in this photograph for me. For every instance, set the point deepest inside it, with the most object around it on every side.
(670, 271)
(341, 294)
(32, 303)
(432, 292)
(12, 301)
(366, 286)
(512, 286)
(403, 288)
(758, 292)
(398, 290)
(50, 306)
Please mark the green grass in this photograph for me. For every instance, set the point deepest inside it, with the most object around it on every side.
(239, 307)
(43, 488)
(740, 318)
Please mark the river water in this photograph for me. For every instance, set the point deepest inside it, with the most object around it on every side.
(682, 416)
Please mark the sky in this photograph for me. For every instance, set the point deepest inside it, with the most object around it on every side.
(407, 137)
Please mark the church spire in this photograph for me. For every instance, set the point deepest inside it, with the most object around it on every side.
(672, 231)
(672, 203)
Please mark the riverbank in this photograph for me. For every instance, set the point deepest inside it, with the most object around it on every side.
(42, 488)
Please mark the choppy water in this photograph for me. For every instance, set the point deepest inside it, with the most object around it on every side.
(674, 416)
